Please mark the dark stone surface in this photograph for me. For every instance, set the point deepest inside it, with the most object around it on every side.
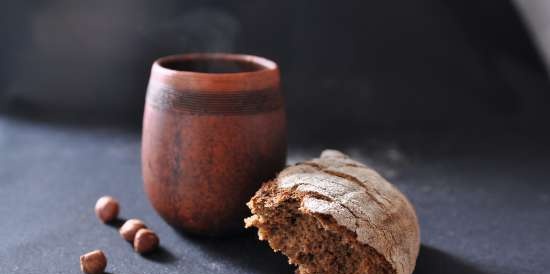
(483, 202)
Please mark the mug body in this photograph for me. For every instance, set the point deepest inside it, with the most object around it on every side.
(214, 129)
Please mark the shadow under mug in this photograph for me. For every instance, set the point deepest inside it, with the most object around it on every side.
(214, 129)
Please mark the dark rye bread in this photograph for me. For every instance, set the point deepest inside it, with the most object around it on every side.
(335, 215)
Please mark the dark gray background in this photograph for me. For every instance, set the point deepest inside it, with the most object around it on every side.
(448, 99)
(374, 64)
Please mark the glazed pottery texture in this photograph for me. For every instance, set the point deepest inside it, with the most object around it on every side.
(214, 129)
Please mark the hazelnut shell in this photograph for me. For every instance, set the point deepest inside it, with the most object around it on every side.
(129, 229)
(106, 209)
(93, 262)
(145, 241)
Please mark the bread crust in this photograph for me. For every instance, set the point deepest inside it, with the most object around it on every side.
(359, 200)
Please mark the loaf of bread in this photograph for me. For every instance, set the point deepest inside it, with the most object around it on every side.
(335, 215)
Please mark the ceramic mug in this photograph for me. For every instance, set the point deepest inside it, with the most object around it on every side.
(214, 129)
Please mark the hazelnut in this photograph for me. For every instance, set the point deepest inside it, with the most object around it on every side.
(106, 208)
(93, 262)
(129, 229)
(145, 241)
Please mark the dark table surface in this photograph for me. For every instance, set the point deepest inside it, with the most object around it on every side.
(483, 202)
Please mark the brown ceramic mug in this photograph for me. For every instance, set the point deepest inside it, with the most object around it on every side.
(214, 129)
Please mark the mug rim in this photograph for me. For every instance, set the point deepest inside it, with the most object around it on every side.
(253, 80)
(264, 64)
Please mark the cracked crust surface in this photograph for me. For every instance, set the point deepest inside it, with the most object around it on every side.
(355, 198)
